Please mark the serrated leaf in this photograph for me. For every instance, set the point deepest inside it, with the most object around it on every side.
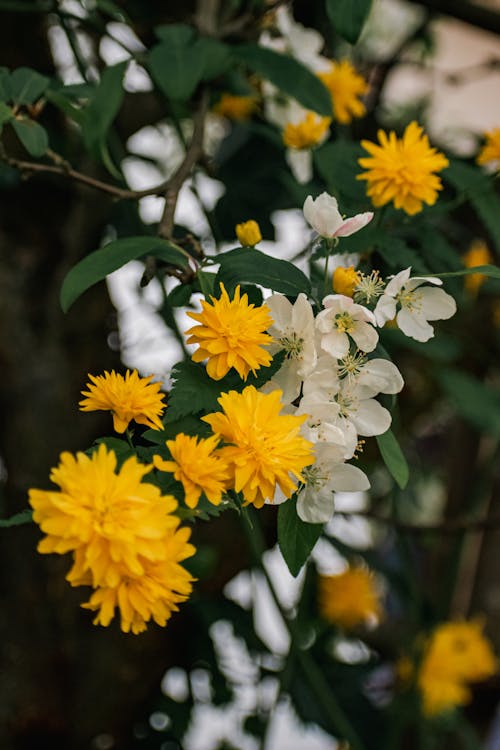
(289, 75)
(348, 17)
(120, 448)
(394, 458)
(296, 538)
(247, 264)
(103, 107)
(96, 266)
(193, 391)
(476, 402)
(18, 519)
(33, 137)
(189, 425)
(26, 85)
(479, 189)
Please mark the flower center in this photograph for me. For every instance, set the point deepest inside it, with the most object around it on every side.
(351, 364)
(412, 300)
(346, 404)
(293, 345)
(368, 288)
(344, 322)
(314, 477)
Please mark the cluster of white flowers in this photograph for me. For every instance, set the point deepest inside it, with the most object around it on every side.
(331, 372)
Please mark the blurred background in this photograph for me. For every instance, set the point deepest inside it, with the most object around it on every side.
(212, 677)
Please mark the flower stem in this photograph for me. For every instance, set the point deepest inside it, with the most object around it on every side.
(339, 722)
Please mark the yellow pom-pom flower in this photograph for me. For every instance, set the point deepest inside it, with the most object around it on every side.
(309, 132)
(248, 233)
(237, 108)
(264, 448)
(345, 280)
(198, 465)
(231, 333)
(456, 654)
(478, 254)
(345, 85)
(118, 528)
(401, 170)
(490, 152)
(127, 398)
(349, 599)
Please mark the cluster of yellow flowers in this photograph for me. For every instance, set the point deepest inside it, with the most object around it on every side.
(456, 655)
(123, 534)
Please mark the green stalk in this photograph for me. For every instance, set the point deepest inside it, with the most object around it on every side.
(339, 722)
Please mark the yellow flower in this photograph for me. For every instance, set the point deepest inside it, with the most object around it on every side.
(345, 86)
(153, 595)
(490, 152)
(198, 465)
(402, 170)
(248, 233)
(236, 107)
(129, 397)
(456, 654)
(265, 448)
(231, 334)
(478, 254)
(309, 132)
(349, 599)
(345, 280)
(123, 534)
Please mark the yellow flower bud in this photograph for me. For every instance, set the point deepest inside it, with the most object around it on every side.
(478, 254)
(248, 233)
(236, 107)
(345, 280)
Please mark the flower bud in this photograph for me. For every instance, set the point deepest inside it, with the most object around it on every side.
(248, 233)
(345, 280)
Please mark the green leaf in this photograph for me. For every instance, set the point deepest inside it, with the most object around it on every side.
(348, 17)
(296, 538)
(189, 425)
(180, 295)
(177, 64)
(193, 391)
(492, 271)
(337, 163)
(217, 57)
(6, 114)
(33, 137)
(475, 401)
(25, 516)
(479, 189)
(96, 266)
(120, 448)
(289, 75)
(5, 92)
(103, 107)
(394, 458)
(26, 85)
(247, 264)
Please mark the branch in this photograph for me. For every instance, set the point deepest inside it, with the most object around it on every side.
(193, 154)
(475, 15)
(452, 526)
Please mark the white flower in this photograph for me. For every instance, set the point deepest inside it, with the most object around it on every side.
(344, 404)
(328, 474)
(417, 304)
(293, 332)
(300, 162)
(342, 318)
(379, 376)
(324, 216)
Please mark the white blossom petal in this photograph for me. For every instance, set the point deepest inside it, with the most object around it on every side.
(438, 305)
(371, 418)
(349, 478)
(415, 326)
(365, 336)
(353, 224)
